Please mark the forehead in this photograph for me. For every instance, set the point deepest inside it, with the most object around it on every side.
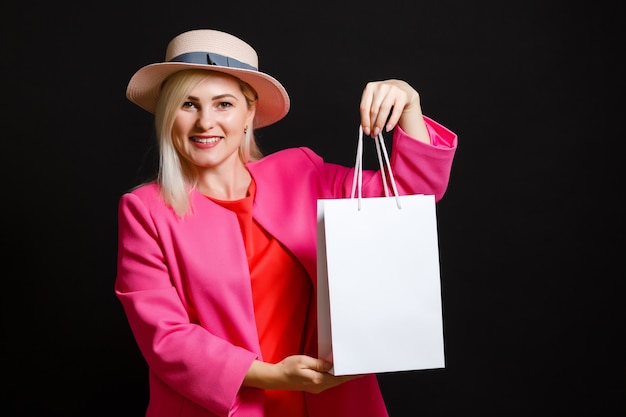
(217, 80)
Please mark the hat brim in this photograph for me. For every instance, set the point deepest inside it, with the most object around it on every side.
(272, 105)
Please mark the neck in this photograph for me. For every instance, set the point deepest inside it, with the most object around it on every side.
(230, 185)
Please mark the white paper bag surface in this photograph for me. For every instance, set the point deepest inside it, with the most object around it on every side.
(379, 291)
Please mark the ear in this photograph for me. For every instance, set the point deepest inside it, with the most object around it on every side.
(250, 117)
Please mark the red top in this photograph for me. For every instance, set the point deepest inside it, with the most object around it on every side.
(281, 292)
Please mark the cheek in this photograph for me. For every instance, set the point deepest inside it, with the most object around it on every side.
(180, 126)
(180, 131)
(178, 142)
(183, 125)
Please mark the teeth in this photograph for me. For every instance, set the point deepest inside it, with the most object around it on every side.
(206, 141)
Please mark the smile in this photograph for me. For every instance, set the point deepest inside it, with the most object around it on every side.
(205, 141)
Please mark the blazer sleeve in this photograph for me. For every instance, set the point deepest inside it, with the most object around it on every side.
(418, 168)
(421, 168)
(187, 357)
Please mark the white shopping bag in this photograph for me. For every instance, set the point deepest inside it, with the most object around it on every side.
(379, 290)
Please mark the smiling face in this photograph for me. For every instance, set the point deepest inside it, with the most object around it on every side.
(210, 122)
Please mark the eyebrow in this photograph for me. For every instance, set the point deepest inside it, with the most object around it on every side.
(218, 97)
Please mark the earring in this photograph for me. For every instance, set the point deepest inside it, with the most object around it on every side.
(245, 129)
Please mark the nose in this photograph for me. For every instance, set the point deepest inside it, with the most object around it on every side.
(206, 119)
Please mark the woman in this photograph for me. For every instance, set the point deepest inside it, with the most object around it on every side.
(216, 259)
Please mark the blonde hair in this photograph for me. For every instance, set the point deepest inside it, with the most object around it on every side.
(176, 176)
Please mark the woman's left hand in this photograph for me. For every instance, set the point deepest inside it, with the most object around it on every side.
(384, 104)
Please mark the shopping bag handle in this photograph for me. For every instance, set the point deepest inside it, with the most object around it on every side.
(357, 181)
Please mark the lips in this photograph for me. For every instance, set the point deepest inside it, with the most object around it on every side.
(206, 141)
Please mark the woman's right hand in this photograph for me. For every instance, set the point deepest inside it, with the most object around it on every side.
(294, 373)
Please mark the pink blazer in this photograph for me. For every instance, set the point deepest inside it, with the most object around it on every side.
(184, 284)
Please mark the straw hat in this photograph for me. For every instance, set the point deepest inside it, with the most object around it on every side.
(216, 51)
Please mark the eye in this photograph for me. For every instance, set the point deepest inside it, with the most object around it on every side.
(224, 104)
(188, 105)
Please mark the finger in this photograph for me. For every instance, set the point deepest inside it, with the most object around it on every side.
(376, 107)
(394, 117)
(383, 104)
(381, 112)
(318, 365)
(400, 100)
(365, 108)
(322, 366)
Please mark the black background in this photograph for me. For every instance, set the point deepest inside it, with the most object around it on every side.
(530, 230)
